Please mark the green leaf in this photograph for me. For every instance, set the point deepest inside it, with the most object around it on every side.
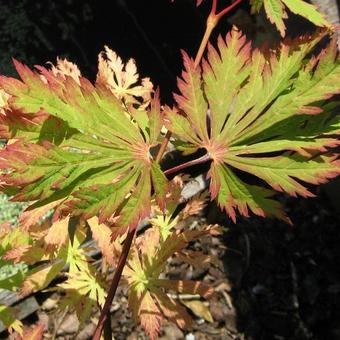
(307, 11)
(266, 115)
(276, 12)
(79, 144)
(83, 290)
(256, 5)
(7, 317)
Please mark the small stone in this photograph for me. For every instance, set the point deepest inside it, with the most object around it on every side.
(190, 336)
(87, 332)
(172, 332)
(115, 306)
(49, 304)
(132, 336)
(217, 312)
(70, 325)
(44, 320)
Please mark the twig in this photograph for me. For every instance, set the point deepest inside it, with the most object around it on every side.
(163, 147)
(197, 161)
(114, 284)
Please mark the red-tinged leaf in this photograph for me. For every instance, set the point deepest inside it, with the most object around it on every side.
(160, 185)
(186, 287)
(180, 125)
(173, 310)
(31, 217)
(279, 172)
(25, 253)
(233, 194)
(84, 289)
(197, 259)
(39, 278)
(175, 243)
(97, 160)
(155, 119)
(276, 12)
(224, 73)
(195, 205)
(138, 206)
(64, 68)
(257, 107)
(121, 79)
(35, 332)
(145, 311)
(191, 100)
(146, 290)
(102, 234)
(57, 234)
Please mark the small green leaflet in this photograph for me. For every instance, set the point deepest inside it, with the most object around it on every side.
(276, 12)
(76, 142)
(265, 116)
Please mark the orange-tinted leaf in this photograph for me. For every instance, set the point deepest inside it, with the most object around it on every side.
(57, 234)
(102, 234)
(145, 311)
(40, 278)
(35, 332)
(186, 287)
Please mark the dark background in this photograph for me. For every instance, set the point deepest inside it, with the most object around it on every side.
(151, 31)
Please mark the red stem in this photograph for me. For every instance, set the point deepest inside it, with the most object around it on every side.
(114, 284)
(212, 21)
(213, 7)
(196, 161)
(162, 149)
(228, 9)
(105, 313)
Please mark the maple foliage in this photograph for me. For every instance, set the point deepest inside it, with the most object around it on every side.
(276, 12)
(120, 78)
(7, 317)
(245, 106)
(148, 259)
(43, 247)
(85, 157)
(32, 333)
(76, 143)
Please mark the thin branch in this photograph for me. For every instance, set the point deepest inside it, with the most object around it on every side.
(197, 161)
(162, 149)
(211, 23)
(228, 9)
(213, 7)
(114, 284)
(104, 318)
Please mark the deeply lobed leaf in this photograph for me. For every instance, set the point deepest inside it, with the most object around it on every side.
(77, 144)
(276, 12)
(148, 299)
(262, 115)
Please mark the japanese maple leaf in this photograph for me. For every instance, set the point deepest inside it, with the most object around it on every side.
(276, 12)
(122, 79)
(263, 116)
(76, 143)
(148, 300)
